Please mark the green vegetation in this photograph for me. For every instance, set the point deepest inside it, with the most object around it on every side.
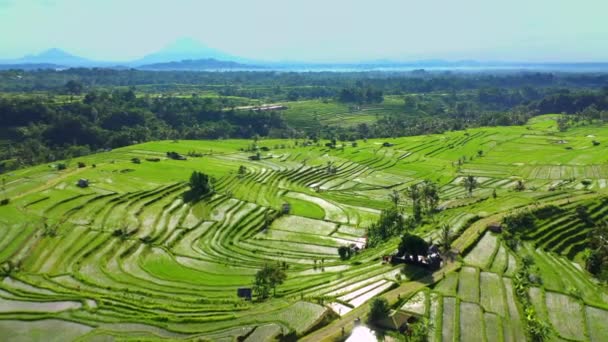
(378, 309)
(128, 257)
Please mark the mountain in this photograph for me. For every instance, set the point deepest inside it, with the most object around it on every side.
(52, 56)
(185, 49)
(198, 64)
(30, 66)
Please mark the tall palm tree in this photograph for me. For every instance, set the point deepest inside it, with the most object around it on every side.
(445, 237)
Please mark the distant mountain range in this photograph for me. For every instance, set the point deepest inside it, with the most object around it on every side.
(189, 54)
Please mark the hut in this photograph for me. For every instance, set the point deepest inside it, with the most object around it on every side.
(495, 227)
(83, 183)
(244, 292)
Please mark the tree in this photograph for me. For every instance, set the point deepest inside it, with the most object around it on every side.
(419, 331)
(470, 183)
(199, 186)
(445, 237)
(415, 195)
(242, 170)
(389, 224)
(430, 196)
(73, 88)
(269, 277)
(413, 244)
(344, 252)
(379, 309)
(395, 197)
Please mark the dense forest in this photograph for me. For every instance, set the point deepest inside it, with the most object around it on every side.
(50, 115)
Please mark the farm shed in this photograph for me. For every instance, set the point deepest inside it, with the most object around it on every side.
(83, 183)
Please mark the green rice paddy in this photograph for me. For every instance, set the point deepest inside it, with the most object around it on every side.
(176, 271)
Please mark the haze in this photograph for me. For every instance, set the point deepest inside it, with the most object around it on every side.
(313, 30)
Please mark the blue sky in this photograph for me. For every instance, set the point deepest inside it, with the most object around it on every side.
(338, 30)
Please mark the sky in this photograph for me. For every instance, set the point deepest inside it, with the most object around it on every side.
(313, 30)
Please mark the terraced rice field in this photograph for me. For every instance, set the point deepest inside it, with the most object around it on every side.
(175, 269)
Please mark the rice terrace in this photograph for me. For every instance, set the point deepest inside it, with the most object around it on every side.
(129, 255)
(316, 171)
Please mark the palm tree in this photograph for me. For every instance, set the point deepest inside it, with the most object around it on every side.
(395, 197)
(414, 194)
(470, 183)
(445, 237)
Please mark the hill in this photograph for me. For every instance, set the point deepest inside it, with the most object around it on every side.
(127, 257)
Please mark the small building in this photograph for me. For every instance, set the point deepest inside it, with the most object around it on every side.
(285, 208)
(398, 320)
(83, 183)
(495, 227)
(244, 292)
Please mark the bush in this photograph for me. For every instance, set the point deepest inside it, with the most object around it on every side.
(413, 244)
(136, 160)
(61, 166)
(379, 309)
(344, 252)
(4, 201)
(520, 221)
(81, 165)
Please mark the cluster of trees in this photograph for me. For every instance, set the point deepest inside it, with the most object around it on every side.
(39, 129)
(360, 95)
(424, 199)
(268, 278)
(63, 123)
(318, 84)
(596, 254)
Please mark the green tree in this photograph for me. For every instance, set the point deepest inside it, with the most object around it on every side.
(200, 185)
(379, 309)
(470, 183)
(430, 196)
(413, 244)
(73, 88)
(445, 237)
(414, 193)
(344, 252)
(395, 198)
(268, 278)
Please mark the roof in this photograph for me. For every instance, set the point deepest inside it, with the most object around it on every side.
(395, 321)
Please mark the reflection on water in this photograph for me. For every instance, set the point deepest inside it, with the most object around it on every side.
(362, 333)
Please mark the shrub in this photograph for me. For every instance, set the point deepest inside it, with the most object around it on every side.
(413, 244)
(4, 201)
(136, 160)
(81, 165)
(379, 309)
(344, 252)
(520, 221)
(61, 166)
